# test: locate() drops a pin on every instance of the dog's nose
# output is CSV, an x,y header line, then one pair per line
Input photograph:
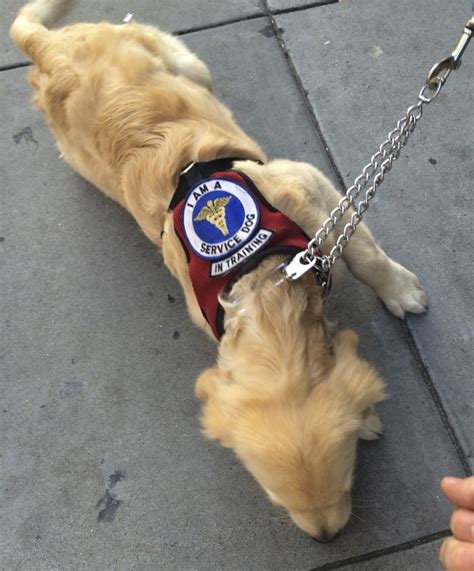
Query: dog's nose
x,y
325,536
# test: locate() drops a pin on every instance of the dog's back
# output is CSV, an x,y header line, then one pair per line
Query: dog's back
x,y
124,99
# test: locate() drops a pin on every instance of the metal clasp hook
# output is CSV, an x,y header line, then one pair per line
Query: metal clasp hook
x,y
301,263
440,71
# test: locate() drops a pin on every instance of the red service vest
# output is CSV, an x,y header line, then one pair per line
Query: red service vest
x,y
226,227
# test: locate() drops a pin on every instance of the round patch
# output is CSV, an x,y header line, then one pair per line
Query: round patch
x,y
219,217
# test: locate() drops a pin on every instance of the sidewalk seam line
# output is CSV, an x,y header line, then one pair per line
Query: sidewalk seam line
x,y
406,546
16,65
214,25
438,403
408,335
182,32
279,11
220,24
304,94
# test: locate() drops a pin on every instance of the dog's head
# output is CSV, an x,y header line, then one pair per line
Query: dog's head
x,y
296,438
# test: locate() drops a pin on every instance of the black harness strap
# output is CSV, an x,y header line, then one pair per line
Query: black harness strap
x,y
195,172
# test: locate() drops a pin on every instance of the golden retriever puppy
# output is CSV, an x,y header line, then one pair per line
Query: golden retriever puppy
x,y
130,108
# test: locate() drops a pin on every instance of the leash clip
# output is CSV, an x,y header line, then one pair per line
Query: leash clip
x,y
297,266
302,263
441,70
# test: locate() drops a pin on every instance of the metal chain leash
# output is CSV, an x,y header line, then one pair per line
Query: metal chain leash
x,y
373,174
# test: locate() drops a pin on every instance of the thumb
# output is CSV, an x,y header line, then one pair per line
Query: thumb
x,y
459,491
456,555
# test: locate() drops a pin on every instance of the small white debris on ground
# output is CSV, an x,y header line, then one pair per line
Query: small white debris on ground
x,y
375,51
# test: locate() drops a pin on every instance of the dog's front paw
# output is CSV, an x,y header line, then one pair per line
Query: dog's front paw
x,y
402,291
371,425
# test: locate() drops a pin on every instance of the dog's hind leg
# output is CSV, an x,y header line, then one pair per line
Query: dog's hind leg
x,y
170,51
185,63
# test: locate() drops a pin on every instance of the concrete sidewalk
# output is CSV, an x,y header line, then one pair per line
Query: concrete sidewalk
x,y
102,462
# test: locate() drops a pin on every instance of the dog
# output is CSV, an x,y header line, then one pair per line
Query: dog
x,y
131,108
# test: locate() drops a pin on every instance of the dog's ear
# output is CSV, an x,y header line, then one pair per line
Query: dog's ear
x,y
216,417
354,376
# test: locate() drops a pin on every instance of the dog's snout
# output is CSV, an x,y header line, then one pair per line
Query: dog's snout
x,y
325,536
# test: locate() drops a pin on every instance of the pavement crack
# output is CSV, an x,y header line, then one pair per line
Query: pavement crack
x,y
14,65
304,7
218,24
406,546
438,403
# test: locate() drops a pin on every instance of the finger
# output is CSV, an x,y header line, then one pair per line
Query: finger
x,y
462,525
456,555
460,491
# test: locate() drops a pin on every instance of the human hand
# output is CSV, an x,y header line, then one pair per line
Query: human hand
x,y
457,552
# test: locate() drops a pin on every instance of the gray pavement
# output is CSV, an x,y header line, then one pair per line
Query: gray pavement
x,y
103,465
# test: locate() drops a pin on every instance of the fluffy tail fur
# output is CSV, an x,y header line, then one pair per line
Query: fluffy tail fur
x,y
33,21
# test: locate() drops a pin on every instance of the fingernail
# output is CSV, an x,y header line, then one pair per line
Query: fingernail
x,y
462,525
451,480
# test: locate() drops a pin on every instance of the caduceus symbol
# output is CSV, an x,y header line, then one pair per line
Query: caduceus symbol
x,y
214,212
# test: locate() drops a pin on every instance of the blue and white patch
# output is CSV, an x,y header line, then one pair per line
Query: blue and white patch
x,y
219,218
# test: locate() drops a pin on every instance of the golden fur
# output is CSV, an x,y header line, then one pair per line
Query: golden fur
x,y
130,106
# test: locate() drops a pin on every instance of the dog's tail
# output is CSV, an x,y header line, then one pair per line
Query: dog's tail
x,y
32,22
